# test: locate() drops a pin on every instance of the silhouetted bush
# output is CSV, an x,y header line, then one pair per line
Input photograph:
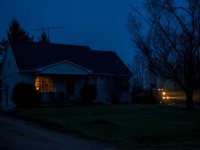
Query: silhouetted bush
x,y
88,94
25,95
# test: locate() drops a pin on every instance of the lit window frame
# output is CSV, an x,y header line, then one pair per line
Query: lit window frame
x,y
45,84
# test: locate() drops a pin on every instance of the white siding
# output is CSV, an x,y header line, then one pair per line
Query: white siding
x,y
10,76
28,78
60,84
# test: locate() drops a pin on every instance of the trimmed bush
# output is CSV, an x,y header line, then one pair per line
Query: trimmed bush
x,y
88,94
26,95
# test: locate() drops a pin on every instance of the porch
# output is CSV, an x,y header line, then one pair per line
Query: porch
x,y
58,98
65,89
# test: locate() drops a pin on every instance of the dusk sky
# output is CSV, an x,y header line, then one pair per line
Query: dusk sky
x,y
100,24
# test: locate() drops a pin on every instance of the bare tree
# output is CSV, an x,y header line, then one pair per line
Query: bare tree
x,y
170,41
138,73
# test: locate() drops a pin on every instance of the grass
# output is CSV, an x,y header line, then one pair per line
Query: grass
x,y
127,126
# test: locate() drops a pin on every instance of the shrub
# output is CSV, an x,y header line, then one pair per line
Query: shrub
x,y
25,95
88,94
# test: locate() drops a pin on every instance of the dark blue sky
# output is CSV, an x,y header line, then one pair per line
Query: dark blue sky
x,y
100,24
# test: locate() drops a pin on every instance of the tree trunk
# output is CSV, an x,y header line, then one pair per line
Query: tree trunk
x,y
189,99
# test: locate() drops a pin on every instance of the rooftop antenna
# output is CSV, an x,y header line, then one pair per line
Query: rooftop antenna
x,y
48,29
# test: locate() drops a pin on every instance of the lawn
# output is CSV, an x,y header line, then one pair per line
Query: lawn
x,y
127,126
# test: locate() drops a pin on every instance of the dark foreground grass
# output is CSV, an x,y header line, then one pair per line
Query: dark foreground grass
x,y
127,126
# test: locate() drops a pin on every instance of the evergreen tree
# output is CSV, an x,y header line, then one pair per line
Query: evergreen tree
x,y
44,38
17,33
3,44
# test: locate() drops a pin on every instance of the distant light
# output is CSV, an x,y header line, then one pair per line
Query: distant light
x,y
167,97
163,93
163,97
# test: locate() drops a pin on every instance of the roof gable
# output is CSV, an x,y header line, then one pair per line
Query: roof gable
x,y
35,55
64,67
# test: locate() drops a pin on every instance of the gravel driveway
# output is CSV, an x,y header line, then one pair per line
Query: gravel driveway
x,y
20,134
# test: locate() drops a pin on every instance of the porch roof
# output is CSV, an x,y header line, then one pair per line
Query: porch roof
x,y
34,55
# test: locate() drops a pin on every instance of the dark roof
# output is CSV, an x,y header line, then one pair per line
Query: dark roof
x,y
35,55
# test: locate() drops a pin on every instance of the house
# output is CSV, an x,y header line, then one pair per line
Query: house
x,y
58,69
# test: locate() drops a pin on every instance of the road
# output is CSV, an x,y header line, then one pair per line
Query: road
x,y
19,134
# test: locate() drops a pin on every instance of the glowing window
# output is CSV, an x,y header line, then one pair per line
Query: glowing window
x,y
45,84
